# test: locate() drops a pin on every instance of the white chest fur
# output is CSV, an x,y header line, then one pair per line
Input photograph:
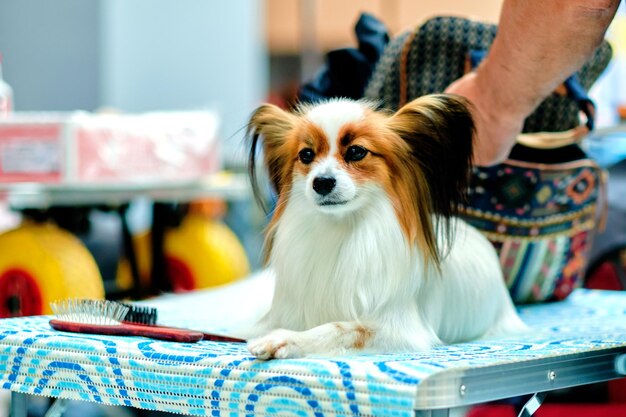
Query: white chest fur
x,y
344,267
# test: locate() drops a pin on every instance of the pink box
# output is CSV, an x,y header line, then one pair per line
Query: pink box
x,y
96,148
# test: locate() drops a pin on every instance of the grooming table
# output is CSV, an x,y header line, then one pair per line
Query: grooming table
x,y
578,341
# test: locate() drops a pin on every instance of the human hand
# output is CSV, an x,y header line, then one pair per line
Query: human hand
x,y
538,45
496,127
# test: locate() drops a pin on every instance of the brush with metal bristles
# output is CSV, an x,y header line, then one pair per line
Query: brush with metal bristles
x,y
90,311
116,318
113,318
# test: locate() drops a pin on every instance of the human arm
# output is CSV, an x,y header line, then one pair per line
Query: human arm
x,y
539,43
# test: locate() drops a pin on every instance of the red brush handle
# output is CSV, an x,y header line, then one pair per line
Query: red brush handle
x,y
125,329
205,336
219,338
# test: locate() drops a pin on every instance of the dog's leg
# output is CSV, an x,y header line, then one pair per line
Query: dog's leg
x,y
337,338
329,338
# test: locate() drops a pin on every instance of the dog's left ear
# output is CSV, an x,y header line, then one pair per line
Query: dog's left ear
x,y
439,131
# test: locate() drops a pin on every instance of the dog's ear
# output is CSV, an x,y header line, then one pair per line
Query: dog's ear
x,y
272,124
439,131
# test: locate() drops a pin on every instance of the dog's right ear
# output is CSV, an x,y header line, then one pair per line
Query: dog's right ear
x,y
272,124
439,131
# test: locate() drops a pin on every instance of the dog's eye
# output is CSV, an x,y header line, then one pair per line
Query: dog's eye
x,y
355,153
306,155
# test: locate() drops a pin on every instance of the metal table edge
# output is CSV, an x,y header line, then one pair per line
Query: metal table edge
x,y
468,386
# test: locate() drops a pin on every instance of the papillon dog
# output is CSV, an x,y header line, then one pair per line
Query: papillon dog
x,y
364,241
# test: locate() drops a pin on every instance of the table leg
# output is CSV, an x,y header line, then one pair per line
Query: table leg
x,y
532,405
164,215
137,292
620,364
445,412
19,404
57,408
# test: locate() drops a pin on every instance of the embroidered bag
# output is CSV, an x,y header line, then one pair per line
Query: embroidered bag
x,y
540,207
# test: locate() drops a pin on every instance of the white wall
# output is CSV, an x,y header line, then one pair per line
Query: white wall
x,y
167,54
610,89
137,55
50,51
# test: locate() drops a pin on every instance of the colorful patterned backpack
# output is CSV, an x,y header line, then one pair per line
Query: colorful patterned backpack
x,y
540,208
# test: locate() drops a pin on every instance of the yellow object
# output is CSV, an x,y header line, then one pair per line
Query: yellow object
x,y
617,36
200,253
40,263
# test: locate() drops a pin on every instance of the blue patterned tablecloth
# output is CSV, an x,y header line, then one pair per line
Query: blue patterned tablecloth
x,y
222,379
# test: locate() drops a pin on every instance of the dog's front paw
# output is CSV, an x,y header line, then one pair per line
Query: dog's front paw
x,y
279,344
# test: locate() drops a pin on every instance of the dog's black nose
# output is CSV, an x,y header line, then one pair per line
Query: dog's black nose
x,y
324,185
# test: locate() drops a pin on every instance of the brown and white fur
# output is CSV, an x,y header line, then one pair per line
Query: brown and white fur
x,y
363,242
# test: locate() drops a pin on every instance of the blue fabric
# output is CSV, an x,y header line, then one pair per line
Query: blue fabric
x,y
577,92
222,379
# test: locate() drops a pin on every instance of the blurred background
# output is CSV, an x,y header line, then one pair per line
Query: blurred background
x,y
225,57
149,55
116,56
